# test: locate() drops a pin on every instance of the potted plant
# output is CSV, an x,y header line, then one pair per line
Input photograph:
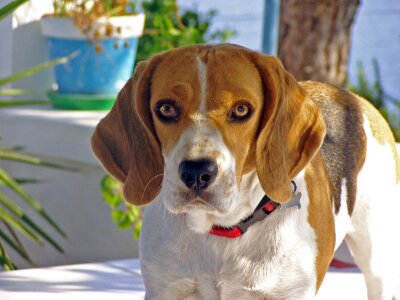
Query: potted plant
x,y
103,34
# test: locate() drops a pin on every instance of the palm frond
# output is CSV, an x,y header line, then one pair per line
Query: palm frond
x,y
12,103
35,69
14,245
16,223
13,92
5,261
18,212
9,8
13,185
17,156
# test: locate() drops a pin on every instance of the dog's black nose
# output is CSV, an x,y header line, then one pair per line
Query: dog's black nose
x,y
198,174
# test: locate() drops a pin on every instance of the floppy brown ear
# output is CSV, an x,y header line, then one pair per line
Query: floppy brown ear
x,y
291,131
125,142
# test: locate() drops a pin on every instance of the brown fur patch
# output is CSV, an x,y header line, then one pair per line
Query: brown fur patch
x,y
381,131
344,148
320,215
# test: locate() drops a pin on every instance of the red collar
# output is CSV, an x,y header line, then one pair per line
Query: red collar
x,y
265,207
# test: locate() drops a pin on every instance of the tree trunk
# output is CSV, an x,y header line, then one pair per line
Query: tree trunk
x,y
314,38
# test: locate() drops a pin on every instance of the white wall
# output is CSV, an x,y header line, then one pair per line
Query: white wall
x,y
6,41
73,199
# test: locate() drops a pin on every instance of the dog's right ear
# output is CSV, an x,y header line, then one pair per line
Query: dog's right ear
x,y
125,141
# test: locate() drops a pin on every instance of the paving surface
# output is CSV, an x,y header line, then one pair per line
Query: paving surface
x,y
121,279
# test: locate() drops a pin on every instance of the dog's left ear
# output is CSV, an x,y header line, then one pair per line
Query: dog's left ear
x,y
291,130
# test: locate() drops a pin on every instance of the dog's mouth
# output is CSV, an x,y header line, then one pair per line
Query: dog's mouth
x,y
198,200
199,203
202,200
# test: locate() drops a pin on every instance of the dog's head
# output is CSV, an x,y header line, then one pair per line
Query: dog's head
x,y
192,122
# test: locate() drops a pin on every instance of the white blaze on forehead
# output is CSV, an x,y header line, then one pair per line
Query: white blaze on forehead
x,y
202,74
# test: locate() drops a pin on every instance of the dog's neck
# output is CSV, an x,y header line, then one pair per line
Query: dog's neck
x,y
250,194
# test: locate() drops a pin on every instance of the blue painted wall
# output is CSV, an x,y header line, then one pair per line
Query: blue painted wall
x,y
376,33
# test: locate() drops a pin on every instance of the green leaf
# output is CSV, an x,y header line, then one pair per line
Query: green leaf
x,y
174,31
16,210
14,246
11,103
13,148
111,191
32,160
125,222
12,184
28,180
13,92
134,211
5,261
110,198
136,230
9,8
110,183
18,225
35,69
108,4
117,215
15,156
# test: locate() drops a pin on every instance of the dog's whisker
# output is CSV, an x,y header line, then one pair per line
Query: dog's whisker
x,y
150,181
157,191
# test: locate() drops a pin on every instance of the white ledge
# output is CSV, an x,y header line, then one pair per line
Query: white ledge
x,y
122,280
49,132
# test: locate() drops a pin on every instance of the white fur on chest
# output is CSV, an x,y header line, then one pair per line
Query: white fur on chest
x,y
275,258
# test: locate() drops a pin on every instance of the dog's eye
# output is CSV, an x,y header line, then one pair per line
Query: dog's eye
x,y
240,112
167,111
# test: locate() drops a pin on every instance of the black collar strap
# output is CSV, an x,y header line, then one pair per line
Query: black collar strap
x,y
263,209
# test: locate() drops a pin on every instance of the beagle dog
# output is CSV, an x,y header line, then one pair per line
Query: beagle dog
x,y
252,179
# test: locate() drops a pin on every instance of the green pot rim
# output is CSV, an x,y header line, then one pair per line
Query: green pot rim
x,y
81,101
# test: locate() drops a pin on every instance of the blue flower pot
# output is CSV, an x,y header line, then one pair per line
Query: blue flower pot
x,y
91,72
99,67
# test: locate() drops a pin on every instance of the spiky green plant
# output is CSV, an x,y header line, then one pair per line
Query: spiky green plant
x,y
9,8
14,219
374,93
